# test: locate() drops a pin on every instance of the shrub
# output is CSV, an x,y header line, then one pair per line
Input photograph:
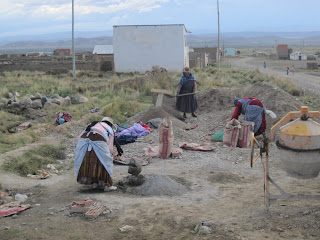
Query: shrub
x,y
121,110
35,159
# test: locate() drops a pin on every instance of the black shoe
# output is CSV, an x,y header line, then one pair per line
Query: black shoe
x,y
193,115
184,115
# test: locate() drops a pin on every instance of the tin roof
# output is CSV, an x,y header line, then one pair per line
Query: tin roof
x,y
282,47
116,26
103,49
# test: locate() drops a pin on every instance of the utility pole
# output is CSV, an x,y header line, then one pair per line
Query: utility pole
x,y
275,48
73,54
218,50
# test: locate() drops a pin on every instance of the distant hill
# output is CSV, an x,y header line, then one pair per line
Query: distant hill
x,y
81,44
85,41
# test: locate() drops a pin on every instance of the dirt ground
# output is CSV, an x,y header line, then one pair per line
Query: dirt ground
x,y
305,79
221,187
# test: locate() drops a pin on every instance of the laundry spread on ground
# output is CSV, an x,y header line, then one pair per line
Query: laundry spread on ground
x,y
11,208
196,146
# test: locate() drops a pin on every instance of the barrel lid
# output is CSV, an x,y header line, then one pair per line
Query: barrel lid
x,y
300,127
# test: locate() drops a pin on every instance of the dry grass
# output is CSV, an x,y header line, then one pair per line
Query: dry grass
x,y
35,159
129,93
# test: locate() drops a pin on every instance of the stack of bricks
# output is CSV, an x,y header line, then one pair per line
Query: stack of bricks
x,y
88,207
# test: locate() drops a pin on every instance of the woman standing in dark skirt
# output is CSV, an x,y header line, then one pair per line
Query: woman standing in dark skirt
x,y
187,85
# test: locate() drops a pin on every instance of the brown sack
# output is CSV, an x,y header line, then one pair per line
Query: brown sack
x,y
165,138
231,133
245,134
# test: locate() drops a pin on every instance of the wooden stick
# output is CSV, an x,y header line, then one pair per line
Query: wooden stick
x,y
186,94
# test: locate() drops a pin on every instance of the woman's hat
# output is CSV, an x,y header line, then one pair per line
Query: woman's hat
x,y
186,70
107,119
236,101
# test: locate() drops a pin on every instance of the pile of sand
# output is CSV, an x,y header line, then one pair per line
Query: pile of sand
x,y
156,112
159,185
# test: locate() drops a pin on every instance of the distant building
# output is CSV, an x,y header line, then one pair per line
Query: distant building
x,y
283,52
33,54
62,52
230,52
103,53
140,47
198,59
103,49
260,54
210,51
298,56
44,54
85,55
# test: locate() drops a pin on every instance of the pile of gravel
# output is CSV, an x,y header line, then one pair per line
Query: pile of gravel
x,y
159,185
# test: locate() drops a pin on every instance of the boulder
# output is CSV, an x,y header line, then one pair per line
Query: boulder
x,y
56,96
23,126
14,105
37,96
50,105
73,100
94,99
134,167
15,99
17,94
10,95
83,99
37,104
25,103
4,101
67,101
56,101
44,100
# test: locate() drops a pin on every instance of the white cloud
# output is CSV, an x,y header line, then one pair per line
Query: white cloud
x,y
59,8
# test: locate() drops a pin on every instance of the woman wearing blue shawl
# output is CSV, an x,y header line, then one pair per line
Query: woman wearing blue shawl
x,y
94,153
253,111
187,85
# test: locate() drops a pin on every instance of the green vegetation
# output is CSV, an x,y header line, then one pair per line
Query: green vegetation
x,y
35,159
120,110
9,141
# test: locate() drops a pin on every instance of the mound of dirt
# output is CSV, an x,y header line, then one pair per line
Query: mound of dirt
x,y
159,185
215,99
225,177
274,98
217,104
156,112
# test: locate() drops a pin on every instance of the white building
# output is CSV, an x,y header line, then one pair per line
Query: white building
x,y
298,56
103,49
139,47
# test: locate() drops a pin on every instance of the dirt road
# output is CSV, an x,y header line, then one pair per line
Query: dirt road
x,y
308,81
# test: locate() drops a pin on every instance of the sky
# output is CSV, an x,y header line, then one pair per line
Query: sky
x,y
36,17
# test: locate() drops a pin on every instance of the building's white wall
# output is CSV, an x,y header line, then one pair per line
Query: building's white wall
x,y
139,47
295,56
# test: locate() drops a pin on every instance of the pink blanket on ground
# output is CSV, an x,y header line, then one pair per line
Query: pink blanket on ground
x,y
12,208
196,146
